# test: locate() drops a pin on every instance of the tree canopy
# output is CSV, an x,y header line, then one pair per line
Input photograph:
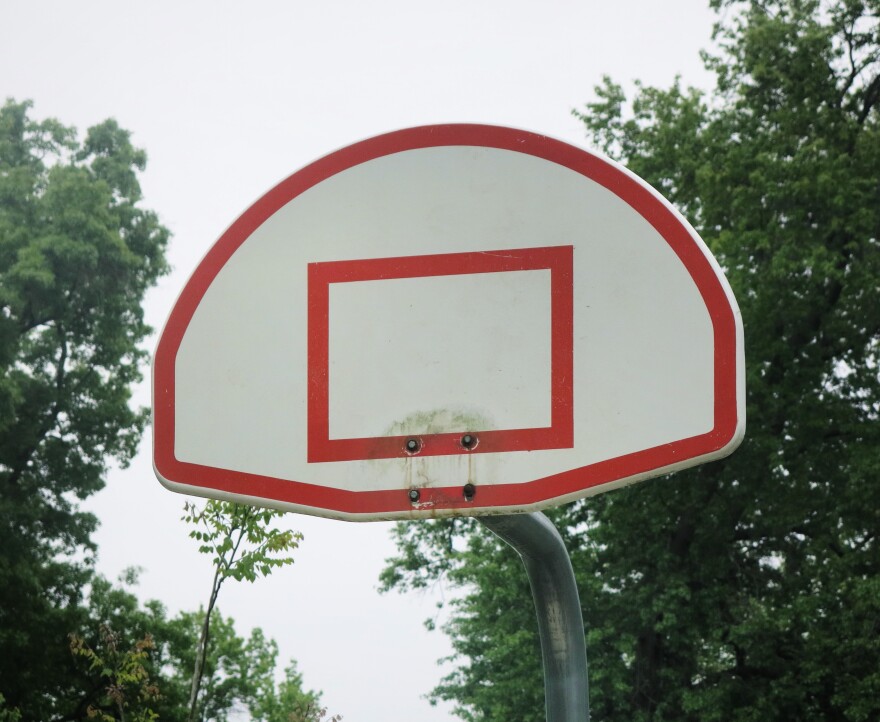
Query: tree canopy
x,y
134,661
77,254
746,589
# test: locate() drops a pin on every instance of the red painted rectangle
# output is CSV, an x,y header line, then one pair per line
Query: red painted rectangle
x,y
560,434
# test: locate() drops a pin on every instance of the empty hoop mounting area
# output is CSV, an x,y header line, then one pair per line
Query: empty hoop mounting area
x,y
465,440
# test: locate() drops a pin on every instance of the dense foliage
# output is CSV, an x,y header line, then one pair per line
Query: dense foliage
x,y
77,254
747,589
243,545
133,661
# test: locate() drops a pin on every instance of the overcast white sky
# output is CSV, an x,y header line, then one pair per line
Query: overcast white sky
x,y
228,98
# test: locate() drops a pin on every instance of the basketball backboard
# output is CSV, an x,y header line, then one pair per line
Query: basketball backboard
x,y
447,320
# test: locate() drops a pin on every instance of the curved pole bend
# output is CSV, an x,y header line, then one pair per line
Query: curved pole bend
x,y
560,624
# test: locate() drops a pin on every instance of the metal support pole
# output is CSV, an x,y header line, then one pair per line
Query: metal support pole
x,y
560,624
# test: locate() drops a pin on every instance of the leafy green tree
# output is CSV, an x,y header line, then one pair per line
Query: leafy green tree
x,y
747,589
243,546
491,621
135,654
126,691
114,609
238,672
77,254
290,701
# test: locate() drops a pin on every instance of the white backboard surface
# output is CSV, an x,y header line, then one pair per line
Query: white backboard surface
x,y
447,320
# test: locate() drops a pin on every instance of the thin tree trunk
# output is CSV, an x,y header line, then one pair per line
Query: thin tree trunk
x,y
202,651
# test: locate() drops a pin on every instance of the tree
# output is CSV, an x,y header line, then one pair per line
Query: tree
x,y
134,660
77,254
747,589
243,545
238,673
119,634
124,690
290,702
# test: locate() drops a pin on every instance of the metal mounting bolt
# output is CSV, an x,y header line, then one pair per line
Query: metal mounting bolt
x,y
468,441
469,491
414,495
413,446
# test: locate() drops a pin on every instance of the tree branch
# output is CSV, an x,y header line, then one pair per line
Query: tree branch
x,y
872,95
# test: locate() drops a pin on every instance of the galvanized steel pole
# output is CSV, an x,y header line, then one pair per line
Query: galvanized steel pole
x,y
558,607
